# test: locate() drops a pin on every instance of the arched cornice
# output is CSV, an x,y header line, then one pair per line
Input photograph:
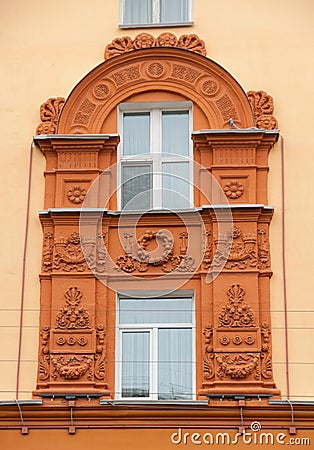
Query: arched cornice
x,y
175,70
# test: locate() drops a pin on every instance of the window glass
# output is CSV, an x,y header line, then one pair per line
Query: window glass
x,y
136,133
175,368
174,10
149,12
155,156
168,310
175,132
155,360
176,185
137,11
135,364
136,187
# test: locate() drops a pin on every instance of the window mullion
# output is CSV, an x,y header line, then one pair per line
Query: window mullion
x,y
156,153
154,364
156,11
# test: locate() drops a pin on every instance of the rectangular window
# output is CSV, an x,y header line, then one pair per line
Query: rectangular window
x,y
155,156
155,356
154,12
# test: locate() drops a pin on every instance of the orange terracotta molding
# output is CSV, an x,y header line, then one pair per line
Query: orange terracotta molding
x,y
145,40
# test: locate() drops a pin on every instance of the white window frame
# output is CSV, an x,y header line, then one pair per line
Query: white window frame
x,y
155,156
153,330
155,17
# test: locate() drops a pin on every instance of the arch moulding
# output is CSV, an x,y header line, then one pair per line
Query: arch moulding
x,y
165,69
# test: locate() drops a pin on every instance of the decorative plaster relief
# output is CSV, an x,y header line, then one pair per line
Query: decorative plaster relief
x,y
145,40
70,254
236,313
49,115
242,253
47,252
73,350
237,367
73,315
233,189
209,367
76,194
263,109
142,260
263,248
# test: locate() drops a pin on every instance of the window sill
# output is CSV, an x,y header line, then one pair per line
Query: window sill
x,y
157,25
154,402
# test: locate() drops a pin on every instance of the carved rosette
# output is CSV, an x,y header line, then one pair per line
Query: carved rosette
x,y
76,194
263,109
73,350
49,115
140,259
145,40
236,250
233,189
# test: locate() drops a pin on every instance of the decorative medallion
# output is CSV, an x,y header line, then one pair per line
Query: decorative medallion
x,y
145,40
233,189
101,91
155,70
209,87
76,194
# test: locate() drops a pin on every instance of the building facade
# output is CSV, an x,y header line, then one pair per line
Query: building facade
x,y
155,299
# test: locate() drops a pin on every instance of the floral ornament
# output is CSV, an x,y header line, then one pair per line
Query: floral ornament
x,y
75,238
61,340
125,44
237,340
234,232
144,40
263,109
233,189
49,115
224,340
267,122
76,194
167,40
249,340
71,340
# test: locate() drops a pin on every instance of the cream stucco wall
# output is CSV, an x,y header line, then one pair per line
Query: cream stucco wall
x,y
48,46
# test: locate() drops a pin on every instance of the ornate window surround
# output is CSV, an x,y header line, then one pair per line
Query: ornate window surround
x,y
79,358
